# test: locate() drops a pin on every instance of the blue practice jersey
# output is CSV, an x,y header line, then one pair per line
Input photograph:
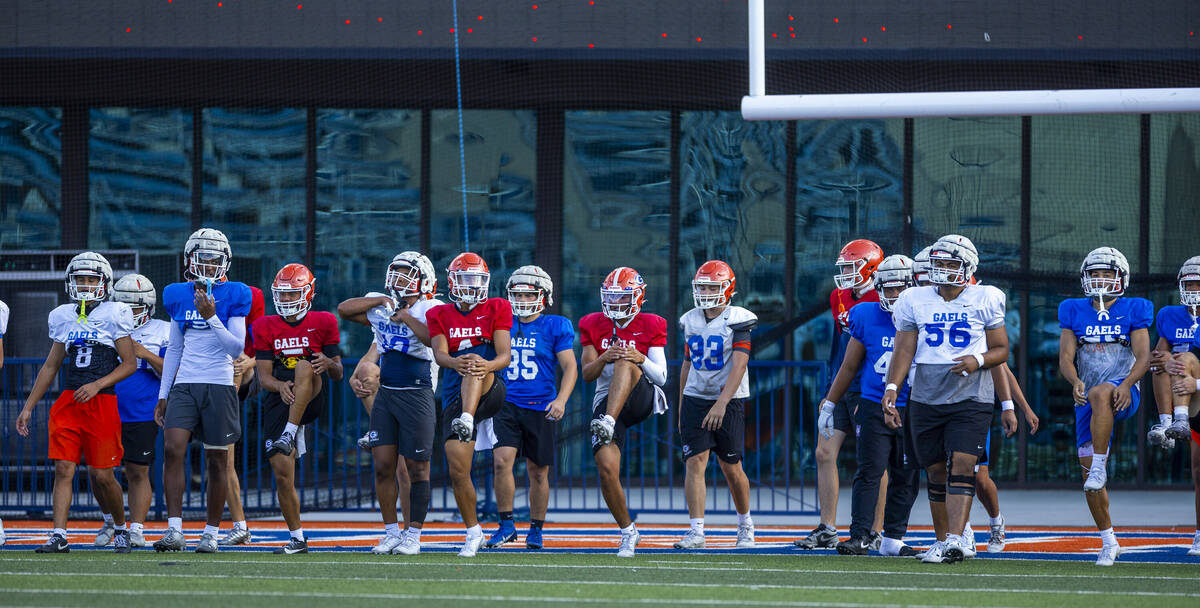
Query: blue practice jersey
x,y
1104,353
232,299
137,395
530,380
873,326
1177,326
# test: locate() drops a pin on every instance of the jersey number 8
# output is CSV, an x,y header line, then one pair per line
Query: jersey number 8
x,y
83,356
711,360
959,333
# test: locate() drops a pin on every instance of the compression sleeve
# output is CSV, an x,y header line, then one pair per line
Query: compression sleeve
x,y
655,365
171,361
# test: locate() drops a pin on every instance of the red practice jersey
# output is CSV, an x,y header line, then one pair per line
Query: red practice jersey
x,y
840,303
258,308
467,330
643,332
286,344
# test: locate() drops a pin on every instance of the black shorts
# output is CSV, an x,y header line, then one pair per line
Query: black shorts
x,y
275,414
527,430
729,441
638,407
938,430
843,413
489,405
405,419
249,389
209,411
138,439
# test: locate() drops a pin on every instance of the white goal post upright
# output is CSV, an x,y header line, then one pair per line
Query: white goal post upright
x,y
760,106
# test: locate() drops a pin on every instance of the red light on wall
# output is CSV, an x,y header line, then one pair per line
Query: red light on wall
x,y
835,20
535,7
864,38
664,34
299,6
535,39
470,30
1079,37
591,46
791,29
791,18
420,32
128,29
347,22
793,35
948,26
882,28
381,19
220,4
699,39
479,18
774,35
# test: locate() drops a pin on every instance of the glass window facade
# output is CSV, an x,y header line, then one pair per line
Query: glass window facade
x,y
1174,188
30,156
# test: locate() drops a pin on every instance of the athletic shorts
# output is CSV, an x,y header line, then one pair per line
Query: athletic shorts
x,y
406,419
843,413
529,431
1196,428
987,451
91,430
209,411
1083,415
939,430
729,441
139,438
275,415
489,405
638,407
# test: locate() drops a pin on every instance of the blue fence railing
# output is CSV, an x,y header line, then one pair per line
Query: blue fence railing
x,y
337,475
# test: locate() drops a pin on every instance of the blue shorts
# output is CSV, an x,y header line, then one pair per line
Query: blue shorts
x,y
1083,414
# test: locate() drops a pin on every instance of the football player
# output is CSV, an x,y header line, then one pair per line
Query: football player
x,y
364,383
882,446
1103,352
856,264
3,329
953,331
403,416
1184,369
712,386
528,421
1176,326
91,344
471,342
248,388
137,396
624,354
197,396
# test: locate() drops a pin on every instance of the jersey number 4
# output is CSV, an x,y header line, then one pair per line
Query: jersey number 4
x,y
959,334
710,358
523,365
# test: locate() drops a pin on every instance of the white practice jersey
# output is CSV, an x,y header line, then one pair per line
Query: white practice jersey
x,y
154,336
391,336
710,347
90,341
3,318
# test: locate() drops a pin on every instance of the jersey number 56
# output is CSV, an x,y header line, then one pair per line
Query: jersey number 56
x,y
959,334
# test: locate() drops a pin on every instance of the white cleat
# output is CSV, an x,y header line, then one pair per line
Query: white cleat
x,y
1158,436
1096,479
463,427
387,545
934,554
996,541
364,442
409,546
137,539
629,542
691,540
471,546
1108,554
3,538
105,534
602,429
1195,550
745,539
968,542
1180,429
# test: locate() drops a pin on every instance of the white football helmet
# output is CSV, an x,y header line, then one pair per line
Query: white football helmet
x,y
893,271
410,274
1104,258
1190,271
89,264
207,254
953,248
921,267
138,292
530,279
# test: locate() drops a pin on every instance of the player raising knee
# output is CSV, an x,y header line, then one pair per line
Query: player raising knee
x,y
1103,352
91,344
713,384
882,445
1176,326
856,266
623,353
952,331
528,421
294,349
403,416
471,342
1184,369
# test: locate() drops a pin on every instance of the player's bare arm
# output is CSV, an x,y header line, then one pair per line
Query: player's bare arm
x,y
997,353
441,354
1008,418
902,357
1139,340
128,365
855,352
272,384
328,365
593,363
46,375
419,329
355,309
566,384
1066,366
364,381
151,359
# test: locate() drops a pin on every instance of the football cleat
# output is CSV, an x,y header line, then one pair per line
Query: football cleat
x,y
121,541
105,534
533,538
629,542
409,545
822,537
1180,429
137,539
876,540
907,551
1096,479
934,554
207,544
855,545
968,544
471,545
3,538
956,549
56,544
173,540
294,546
364,442
745,536
1195,550
1158,436
462,428
387,545
285,445
692,540
1108,554
506,534
236,536
602,429
996,540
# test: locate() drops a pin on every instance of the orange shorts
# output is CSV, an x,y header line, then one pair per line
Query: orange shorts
x,y
91,430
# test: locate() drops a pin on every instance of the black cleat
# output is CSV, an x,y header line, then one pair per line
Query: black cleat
x,y
56,544
822,537
855,545
284,445
294,546
120,541
907,551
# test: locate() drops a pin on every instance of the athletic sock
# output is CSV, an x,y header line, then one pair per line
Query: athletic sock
x,y
392,529
298,533
997,520
414,533
890,546
744,519
239,525
214,530
1100,460
630,529
475,530
697,524
136,527
506,516
1108,537
175,523
290,429
536,524
124,526
1164,419
59,531
1181,412
108,518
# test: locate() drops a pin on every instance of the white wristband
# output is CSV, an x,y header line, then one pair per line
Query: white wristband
x,y
1007,406
891,386
825,402
1198,384
979,358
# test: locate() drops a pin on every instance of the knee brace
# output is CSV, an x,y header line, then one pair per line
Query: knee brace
x,y
937,493
962,485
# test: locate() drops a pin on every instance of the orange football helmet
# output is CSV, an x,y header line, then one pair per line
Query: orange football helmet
x,y
856,264
713,272
467,277
293,279
622,294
